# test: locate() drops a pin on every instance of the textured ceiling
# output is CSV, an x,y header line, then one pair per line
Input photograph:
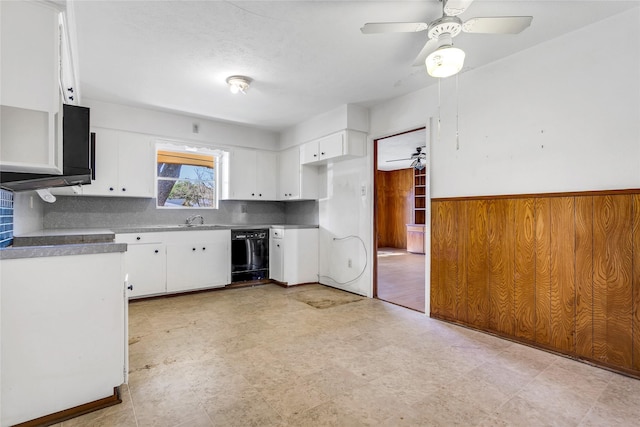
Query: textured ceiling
x,y
305,57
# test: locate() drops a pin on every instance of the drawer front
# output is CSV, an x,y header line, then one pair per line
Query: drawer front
x,y
133,238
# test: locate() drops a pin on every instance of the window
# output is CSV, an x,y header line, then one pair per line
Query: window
x,y
186,177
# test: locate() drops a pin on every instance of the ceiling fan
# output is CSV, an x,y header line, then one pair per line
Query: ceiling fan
x,y
418,158
441,58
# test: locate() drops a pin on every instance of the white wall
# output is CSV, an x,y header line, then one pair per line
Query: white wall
x,y
560,116
345,249
28,212
179,127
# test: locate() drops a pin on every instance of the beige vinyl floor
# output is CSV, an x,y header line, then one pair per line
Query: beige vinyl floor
x,y
316,356
401,278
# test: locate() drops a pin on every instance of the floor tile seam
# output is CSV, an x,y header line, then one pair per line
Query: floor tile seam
x,y
133,406
564,388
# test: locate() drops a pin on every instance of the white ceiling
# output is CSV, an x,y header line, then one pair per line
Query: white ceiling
x,y
306,57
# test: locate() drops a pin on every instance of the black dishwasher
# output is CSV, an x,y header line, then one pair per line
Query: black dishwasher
x,y
249,255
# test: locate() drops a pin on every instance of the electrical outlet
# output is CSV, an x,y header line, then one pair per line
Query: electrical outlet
x,y
350,263
243,208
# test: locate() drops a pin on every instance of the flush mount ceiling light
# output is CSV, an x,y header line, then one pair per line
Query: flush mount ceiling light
x,y
238,84
446,60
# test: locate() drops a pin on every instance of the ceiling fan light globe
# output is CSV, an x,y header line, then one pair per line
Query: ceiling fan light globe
x,y
445,61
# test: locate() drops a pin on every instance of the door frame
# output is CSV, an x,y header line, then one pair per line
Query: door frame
x,y
427,213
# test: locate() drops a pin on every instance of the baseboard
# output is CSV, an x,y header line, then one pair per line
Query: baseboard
x,y
74,412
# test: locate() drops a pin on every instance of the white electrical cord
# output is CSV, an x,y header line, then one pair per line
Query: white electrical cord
x,y
364,268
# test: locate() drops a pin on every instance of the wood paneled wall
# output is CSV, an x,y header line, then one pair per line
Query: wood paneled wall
x,y
394,195
561,272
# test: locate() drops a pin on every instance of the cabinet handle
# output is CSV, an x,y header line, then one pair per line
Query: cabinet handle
x,y
322,153
260,194
138,238
156,251
315,155
130,287
110,188
124,189
193,249
204,249
278,245
253,194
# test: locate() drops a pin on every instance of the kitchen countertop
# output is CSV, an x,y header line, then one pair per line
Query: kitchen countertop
x,y
183,227
79,241
61,250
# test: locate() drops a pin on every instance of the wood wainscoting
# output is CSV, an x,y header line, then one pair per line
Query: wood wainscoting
x,y
557,271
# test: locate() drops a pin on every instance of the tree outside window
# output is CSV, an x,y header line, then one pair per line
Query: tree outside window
x,y
186,178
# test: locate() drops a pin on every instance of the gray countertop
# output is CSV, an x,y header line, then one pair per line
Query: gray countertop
x,y
61,250
182,227
61,242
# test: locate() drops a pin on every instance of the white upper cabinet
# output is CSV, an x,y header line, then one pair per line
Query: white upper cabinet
x,y
30,105
124,165
296,181
251,175
337,146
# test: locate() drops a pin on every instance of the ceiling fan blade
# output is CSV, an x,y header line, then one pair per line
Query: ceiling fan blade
x,y
497,24
393,27
431,45
400,160
456,7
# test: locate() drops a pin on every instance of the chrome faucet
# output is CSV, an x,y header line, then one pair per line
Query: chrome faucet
x,y
192,218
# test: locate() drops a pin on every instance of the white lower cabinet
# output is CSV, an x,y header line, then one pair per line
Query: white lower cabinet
x,y
293,255
145,264
176,261
63,333
201,263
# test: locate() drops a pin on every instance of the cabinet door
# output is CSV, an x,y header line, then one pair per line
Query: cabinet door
x,y
184,268
309,152
29,91
276,259
301,256
201,264
135,165
266,175
124,165
106,153
289,174
218,257
146,266
242,174
331,146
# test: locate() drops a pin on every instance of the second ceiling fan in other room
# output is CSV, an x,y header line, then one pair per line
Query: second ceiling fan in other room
x,y
419,159
438,54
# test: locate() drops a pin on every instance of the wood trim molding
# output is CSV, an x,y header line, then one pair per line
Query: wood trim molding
x,y
74,412
537,195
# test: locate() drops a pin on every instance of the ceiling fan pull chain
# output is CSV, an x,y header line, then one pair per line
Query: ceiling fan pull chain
x,y
457,115
439,103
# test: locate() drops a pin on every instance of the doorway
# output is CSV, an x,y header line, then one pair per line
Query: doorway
x,y
400,184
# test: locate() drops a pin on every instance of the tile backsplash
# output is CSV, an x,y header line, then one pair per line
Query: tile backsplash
x,y
6,218
113,212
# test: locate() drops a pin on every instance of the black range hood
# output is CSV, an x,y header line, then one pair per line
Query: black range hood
x,y
77,156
